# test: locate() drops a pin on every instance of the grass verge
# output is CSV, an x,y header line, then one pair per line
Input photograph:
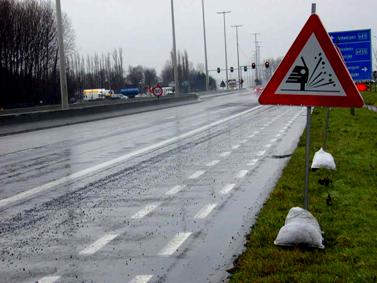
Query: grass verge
x,y
370,97
348,218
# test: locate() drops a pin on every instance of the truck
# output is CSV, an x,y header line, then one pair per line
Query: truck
x,y
130,91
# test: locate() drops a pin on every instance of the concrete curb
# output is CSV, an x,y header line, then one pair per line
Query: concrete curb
x,y
26,122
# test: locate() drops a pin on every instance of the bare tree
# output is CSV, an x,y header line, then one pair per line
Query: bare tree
x,y
29,52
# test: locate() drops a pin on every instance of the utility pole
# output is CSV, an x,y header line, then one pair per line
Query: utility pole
x,y
175,67
205,47
63,75
238,56
226,52
256,57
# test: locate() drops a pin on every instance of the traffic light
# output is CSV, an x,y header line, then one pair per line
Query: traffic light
x,y
253,66
245,68
267,64
218,70
231,69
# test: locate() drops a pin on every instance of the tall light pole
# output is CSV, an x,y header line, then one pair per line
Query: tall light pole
x,y
63,76
256,58
175,67
226,52
205,47
238,55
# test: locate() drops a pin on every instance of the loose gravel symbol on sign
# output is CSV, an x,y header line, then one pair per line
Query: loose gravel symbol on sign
x,y
311,73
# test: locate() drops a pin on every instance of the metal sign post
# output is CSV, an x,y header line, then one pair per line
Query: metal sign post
x,y
311,74
307,149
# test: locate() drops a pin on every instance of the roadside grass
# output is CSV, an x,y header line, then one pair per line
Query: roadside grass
x,y
370,97
349,219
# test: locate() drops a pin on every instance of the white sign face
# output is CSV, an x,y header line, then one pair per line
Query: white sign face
x,y
311,74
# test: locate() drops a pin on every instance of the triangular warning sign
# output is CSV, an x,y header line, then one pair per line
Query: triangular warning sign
x,y
312,73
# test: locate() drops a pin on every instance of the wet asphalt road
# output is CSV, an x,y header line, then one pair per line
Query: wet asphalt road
x,y
160,196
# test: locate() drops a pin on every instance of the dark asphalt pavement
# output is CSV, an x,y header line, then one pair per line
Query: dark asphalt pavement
x,y
161,196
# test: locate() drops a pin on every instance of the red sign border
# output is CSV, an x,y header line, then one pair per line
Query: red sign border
x,y
352,98
158,87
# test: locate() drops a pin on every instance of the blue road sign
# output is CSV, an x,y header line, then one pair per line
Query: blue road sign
x,y
356,49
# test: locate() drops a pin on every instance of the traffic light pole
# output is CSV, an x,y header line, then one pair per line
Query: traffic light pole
x,y
256,57
226,52
205,47
238,56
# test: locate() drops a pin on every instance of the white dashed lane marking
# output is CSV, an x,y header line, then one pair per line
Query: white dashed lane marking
x,y
49,279
212,163
99,244
267,145
236,146
174,190
205,211
174,244
227,189
242,174
261,153
197,174
225,154
253,162
145,211
141,278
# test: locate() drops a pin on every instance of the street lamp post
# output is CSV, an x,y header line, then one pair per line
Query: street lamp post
x,y
226,54
63,76
205,47
238,55
175,67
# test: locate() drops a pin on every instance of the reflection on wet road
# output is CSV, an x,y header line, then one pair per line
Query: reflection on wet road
x,y
161,196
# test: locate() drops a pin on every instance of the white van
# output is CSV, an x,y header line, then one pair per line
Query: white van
x,y
95,94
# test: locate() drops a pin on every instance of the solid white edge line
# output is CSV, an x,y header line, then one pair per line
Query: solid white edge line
x,y
141,278
174,244
145,211
242,174
48,279
47,186
99,244
227,189
197,174
174,190
212,163
205,211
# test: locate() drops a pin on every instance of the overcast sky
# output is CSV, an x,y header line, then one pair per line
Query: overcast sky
x,y
143,27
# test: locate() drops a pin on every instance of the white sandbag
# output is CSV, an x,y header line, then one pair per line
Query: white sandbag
x,y
301,228
323,159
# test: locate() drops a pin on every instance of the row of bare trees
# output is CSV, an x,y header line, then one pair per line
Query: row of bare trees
x,y
29,60
29,52
191,78
97,71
